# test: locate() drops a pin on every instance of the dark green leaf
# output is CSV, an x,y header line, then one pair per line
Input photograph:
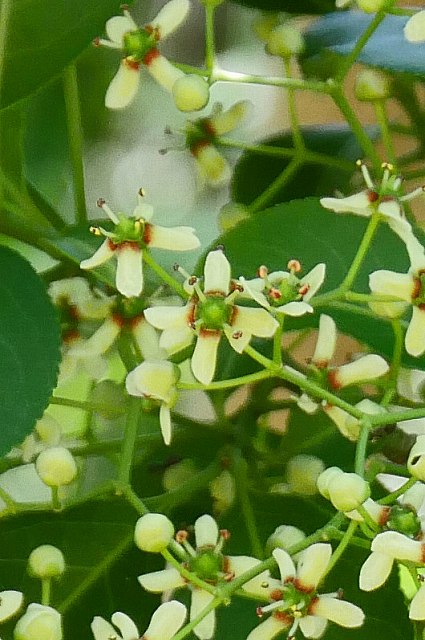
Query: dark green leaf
x,y
29,348
11,147
255,172
44,37
337,33
302,229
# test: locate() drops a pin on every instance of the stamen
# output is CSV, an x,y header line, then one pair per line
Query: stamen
x,y
388,168
292,630
101,203
304,289
275,293
366,174
101,42
142,192
271,607
262,272
181,537
414,194
294,266
95,231
397,183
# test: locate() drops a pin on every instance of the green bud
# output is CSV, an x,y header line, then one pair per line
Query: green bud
x,y
153,532
285,41
284,537
347,491
405,520
191,93
372,6
56,466
207,565
302,472
372,85
325,478
46,561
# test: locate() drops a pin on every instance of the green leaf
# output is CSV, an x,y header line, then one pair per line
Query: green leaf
x,y
43,38
337,33
11,137
289,6
302,229
255,172
29,348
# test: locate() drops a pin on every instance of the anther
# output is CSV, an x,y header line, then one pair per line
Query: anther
x,y
95,231
225,534
142,192
237,335
100,202
387,165
304,289
124,7
340,594
275,293
294,266
192,280
262,271
259,612
176,266
181,536
167,130
220,247
162,152
96,42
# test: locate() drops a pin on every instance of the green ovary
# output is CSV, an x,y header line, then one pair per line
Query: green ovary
x,y
288,289
207,565
214,313
138,43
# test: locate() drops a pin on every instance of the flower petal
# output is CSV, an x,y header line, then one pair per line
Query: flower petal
x,y
129,276
295,309
257,322
172,238
99,342
126,626
417,606
169,317
159,581
314,279
200,599
118,26
170,17
326,342
285,564
399,546
212,166
390,283
204,357
227,120
164,72
174,340
165,423
206,532
365,368
147,340
166,621
102,630
155,379
358,203
104,253
414,29
313,563
256,586
10,602
415,334
341,612
313,626
123,86
217,273
375,571
253,289
268,629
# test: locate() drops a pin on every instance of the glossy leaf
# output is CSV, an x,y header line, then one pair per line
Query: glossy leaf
x,y
337,33
255,172
43,38
29,348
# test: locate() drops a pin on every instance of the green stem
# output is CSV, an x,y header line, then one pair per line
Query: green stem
x,y
392,497
297,136
258,357
75,140
361,447
368,520
187,629
56,504
164,275
277,341
240,471
361,252
382,118
186,574
209,38
273,189
344,542
131,428
348,62
221,75
395,364
380,420
46,584
225,384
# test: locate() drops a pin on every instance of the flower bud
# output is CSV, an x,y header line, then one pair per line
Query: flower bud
x,y
223,491
414,29
56,466
46,561
284,537
302,472
285,41
191,93
372,6
416,460
39,622
372,85
231,215
153,532
325,478
347,491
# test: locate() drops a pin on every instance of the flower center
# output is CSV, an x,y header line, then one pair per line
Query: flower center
x,y
214,312
137,44
207,564
418,297
403,518
284,291
129,230
199,133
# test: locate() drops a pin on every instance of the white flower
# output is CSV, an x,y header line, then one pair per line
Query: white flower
x,y
387,547
10,603
130,238
283,291
410,288
39,621
164,624
208,314
156,380
414,29
208,563
296,603
385,199
202,136
140,47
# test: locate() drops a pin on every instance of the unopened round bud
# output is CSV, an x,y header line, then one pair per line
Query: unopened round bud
x,y
153,532
372,6
231,215
285,41
414,29
347,491
191,93
302,472
39,622
56,466
325,478
372,85
416,460
46,561
284,537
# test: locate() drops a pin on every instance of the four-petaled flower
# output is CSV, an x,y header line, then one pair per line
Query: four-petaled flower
x,y
131,236
295,601
140,47
410,288
202,136
208,314
283,291
209,564
164,624
156,380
